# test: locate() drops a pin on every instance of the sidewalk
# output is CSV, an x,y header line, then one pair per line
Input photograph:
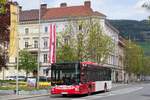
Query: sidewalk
x,y
18,97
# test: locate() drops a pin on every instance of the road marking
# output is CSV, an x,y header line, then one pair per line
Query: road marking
x,y
78,99
112,93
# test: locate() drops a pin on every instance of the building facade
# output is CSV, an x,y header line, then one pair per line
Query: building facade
x,y
29,33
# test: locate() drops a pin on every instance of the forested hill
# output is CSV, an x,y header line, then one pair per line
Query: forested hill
x,y
132,28
138,31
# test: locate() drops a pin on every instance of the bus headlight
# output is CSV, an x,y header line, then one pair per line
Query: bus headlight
x,y
52,89
77,89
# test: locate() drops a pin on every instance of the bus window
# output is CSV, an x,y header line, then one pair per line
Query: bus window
x,y
65,74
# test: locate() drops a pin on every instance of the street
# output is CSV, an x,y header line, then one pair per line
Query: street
x,y
126,92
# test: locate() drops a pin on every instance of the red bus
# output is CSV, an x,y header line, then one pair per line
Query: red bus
x,y
79,78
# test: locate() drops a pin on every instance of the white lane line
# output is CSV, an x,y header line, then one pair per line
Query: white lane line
x,y
112,93
78,99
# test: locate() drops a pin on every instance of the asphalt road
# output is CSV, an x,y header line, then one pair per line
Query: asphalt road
x,y
129,92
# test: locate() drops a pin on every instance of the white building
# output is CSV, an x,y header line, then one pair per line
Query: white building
x,y
29,31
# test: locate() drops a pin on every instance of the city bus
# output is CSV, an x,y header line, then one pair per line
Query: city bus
x,y
79,78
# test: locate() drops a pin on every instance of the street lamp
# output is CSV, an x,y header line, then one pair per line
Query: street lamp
x,y
38,67
17,92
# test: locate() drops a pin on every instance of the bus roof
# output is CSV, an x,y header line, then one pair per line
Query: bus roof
x,y
89,62
84,62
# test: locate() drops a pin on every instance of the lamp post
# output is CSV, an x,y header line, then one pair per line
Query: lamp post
x,y
17,92
38,67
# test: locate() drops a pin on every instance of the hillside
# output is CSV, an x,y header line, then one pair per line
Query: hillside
x,y
138,31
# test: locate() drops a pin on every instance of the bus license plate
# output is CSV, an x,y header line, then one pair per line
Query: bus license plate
x,y
64,92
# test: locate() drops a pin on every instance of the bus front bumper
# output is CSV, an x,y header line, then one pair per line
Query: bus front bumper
x,y
65,92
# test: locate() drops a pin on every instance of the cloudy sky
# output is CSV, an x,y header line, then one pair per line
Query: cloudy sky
x,y
114,9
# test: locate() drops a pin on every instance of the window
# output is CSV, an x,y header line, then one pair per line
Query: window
x,y
45,58
66,40
45,43
46,29
35,44
26,31
44,71
15,59
35,56
65,74
80,27
26,44
113,60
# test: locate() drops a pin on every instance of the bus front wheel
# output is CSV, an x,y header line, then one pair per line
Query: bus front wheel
x,y
64,95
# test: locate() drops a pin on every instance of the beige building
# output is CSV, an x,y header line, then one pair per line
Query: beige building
x,y
60,16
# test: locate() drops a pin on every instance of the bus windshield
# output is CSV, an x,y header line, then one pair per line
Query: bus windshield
x,y
65,74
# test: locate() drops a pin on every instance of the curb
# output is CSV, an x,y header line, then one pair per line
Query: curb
x,y
34,96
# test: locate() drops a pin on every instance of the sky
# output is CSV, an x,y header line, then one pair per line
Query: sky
x,y
113,9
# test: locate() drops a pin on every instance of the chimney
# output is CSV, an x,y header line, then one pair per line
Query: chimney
x,y
20,8
43,9
63,5
43,6
87,4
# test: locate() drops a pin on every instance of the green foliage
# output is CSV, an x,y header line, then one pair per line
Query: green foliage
x,y
146,47
27,62
146,67
2,59
4,33
99,45
137,30
65,46
89,43
3,6
131,28
134,58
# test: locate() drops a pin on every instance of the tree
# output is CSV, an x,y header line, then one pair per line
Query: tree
x,y
65,46
3,6
146,67
2,59
99,45
133,58
27,62
88,42
145,4
4,31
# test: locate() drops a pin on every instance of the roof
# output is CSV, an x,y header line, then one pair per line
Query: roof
x,y
29,15
111,26
59,12
74,11
89,63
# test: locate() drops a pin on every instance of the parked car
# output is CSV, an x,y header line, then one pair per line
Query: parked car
x,y
41,78
11,78
20,78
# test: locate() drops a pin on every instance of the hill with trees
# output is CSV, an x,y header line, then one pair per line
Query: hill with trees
x,y
138,31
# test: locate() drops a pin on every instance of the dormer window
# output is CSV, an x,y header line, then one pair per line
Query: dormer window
x,y
46,29
80,27
26,31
